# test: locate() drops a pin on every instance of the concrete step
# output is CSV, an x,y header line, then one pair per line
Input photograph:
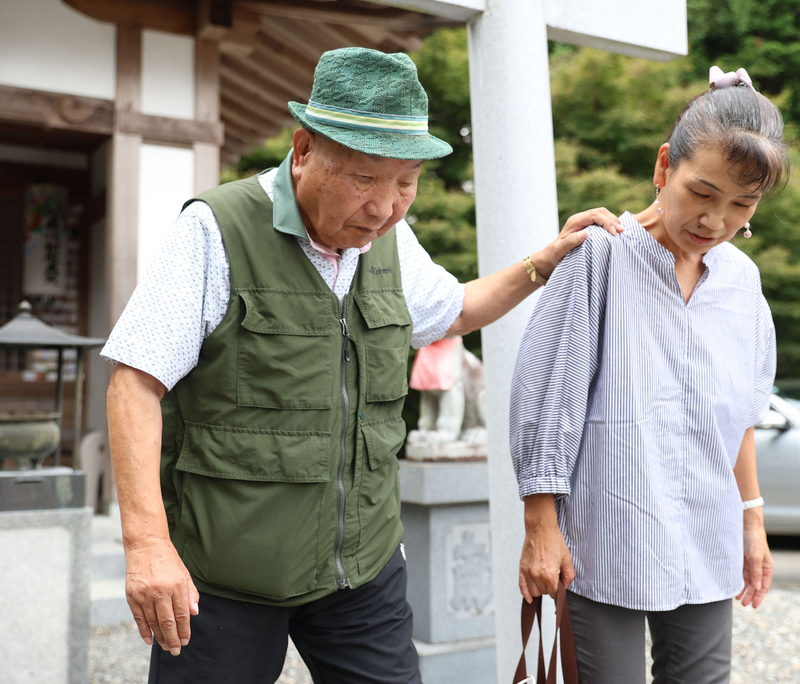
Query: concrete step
x,y
109,606
108,560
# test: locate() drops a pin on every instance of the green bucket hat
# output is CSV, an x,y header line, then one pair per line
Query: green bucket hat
x,y
370,102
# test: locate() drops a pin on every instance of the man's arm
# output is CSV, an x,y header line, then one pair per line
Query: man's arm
x,y
158,586
487,299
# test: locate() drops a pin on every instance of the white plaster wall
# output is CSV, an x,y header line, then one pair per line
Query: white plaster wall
x,y
48,46
167,75
166,181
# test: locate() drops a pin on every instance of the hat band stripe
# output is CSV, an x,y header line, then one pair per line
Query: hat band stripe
x,y
346,118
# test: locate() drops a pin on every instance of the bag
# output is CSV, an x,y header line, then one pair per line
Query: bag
x,y
569,663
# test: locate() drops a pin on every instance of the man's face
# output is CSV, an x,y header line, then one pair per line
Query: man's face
x,y
348,198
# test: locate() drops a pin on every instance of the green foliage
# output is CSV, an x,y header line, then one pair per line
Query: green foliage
x,y
270,154
759,35
443,67
444,221
610,115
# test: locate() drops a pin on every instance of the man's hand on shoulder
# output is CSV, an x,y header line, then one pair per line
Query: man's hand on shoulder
x,y
160,593
573,234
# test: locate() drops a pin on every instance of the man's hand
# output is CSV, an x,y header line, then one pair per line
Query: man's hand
x,y
160,593
758,565
545,559
572,235
487,299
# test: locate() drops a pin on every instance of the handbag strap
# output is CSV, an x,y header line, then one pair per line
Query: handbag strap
x,y
529,612
569,662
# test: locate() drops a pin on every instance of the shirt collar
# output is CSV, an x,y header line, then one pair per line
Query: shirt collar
x,y
638,232
285,212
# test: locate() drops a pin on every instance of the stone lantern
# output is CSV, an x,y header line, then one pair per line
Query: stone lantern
x,y
45,526
29,438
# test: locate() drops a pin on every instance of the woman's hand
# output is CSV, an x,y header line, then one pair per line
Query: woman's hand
x,y
757,569
545,557
571,235
757,559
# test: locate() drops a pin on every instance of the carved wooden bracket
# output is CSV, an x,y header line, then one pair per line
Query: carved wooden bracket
x,y
56,110
94,115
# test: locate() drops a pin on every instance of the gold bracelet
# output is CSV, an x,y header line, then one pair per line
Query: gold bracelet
x,y
532,272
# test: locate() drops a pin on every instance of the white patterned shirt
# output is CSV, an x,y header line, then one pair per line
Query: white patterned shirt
x,y
184,293
631,405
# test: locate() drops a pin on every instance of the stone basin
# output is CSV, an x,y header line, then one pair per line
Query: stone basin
x,y
28,439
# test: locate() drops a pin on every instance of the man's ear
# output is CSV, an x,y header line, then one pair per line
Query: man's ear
x,y
303,144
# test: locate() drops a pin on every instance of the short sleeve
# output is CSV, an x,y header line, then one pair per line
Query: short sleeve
x,y
434,297
764,375
179,301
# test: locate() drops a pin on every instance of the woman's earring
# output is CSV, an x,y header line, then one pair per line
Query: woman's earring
x,y
747,232
659,210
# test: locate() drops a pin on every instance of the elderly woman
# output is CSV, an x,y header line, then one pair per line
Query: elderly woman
x,y
646,363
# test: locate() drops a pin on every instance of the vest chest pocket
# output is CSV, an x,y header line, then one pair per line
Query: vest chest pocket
x,y
386,343
285,357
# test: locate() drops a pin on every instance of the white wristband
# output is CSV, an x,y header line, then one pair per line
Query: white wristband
x,y
753,503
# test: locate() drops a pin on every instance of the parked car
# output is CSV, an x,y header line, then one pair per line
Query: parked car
x,y
778,461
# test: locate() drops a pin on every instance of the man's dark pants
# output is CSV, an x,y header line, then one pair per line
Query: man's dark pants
x,y
353,636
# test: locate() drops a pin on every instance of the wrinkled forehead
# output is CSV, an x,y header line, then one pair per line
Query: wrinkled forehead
x,y
349,159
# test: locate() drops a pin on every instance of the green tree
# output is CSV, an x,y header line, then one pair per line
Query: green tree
x,y
759,35
611,113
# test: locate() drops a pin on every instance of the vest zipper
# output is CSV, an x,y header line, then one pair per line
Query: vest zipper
x,y
341,576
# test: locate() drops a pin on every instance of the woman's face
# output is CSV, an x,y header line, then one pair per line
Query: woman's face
x,y
703,204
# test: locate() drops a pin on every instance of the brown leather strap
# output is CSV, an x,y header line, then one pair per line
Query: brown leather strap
x,y
569,663
569,657
529,612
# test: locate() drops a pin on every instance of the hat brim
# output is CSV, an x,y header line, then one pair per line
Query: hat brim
x,y
389,145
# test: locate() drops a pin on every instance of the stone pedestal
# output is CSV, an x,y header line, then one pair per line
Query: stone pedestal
x,y
44,566
445,511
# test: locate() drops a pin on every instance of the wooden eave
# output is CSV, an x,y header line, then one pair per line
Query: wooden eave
x,y
269,48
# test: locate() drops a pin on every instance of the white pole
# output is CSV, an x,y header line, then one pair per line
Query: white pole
x,y
517,213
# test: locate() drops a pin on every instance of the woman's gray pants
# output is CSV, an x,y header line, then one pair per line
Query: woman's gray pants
x,y
691,644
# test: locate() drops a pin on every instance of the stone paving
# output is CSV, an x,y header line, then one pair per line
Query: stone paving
x,y
766,642
117,655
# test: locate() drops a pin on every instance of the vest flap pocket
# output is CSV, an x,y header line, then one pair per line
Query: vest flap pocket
x,y
255,455
383,307
287,312
386,373
383,439
285,356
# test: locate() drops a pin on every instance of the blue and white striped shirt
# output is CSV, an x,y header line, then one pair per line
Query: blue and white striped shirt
x,y
632,405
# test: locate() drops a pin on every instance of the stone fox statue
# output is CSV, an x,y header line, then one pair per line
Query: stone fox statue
x,y
450,379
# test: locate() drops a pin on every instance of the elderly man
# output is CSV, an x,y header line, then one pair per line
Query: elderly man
x,y
254,413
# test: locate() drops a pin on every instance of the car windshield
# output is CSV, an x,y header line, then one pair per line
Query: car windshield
x,y
790,391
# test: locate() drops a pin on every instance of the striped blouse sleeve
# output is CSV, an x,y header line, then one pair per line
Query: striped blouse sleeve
x,y
557,360
764,375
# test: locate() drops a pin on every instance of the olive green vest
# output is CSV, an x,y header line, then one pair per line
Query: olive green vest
x,y
278,465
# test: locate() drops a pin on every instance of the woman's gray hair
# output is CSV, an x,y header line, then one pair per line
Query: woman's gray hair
x,y
748,128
